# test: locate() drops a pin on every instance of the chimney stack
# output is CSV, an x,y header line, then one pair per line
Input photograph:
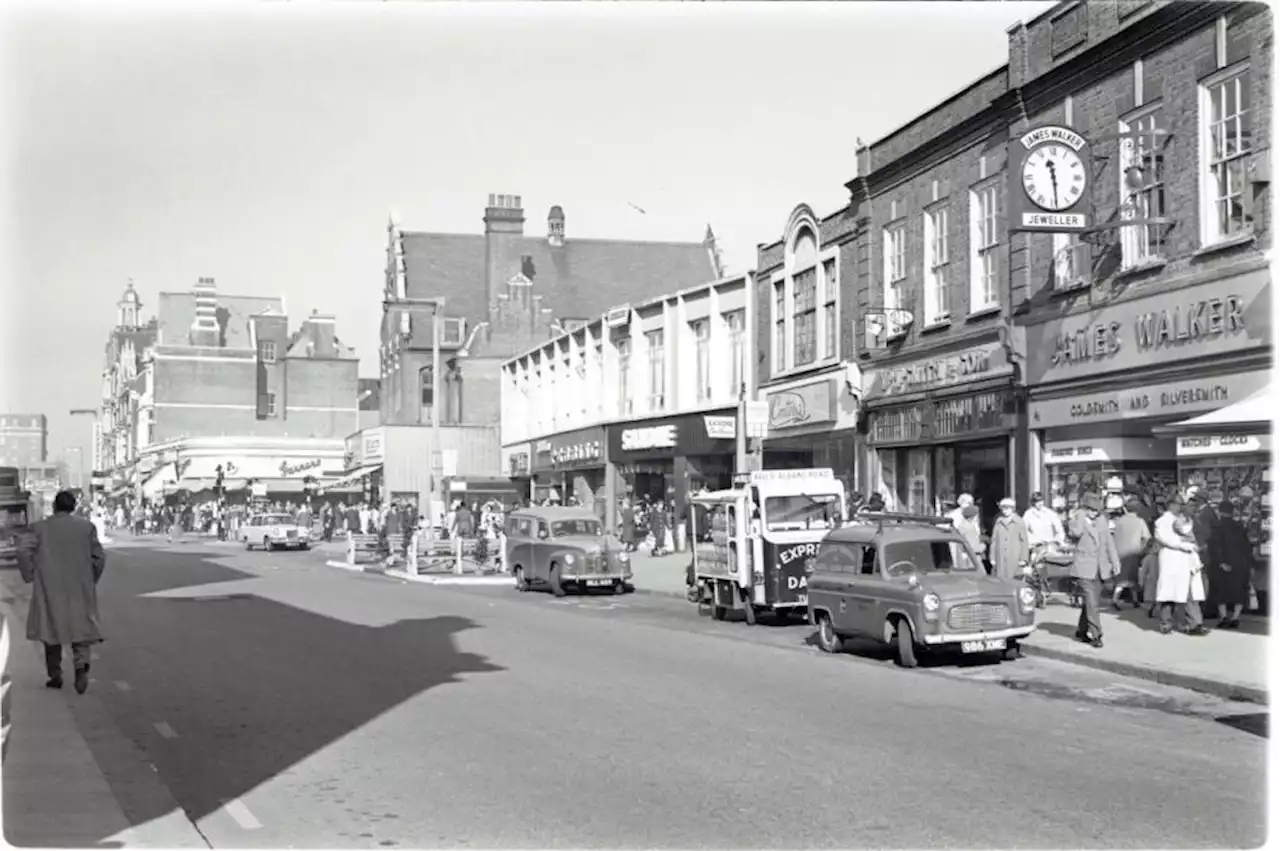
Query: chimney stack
x,y
555,226
205,330
504,215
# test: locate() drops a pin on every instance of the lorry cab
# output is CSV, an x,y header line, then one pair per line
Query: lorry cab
x,y
754,544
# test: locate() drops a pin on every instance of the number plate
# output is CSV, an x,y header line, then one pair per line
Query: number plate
x,y
599,581
982,646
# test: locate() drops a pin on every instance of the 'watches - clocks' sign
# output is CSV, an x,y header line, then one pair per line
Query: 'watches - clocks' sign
x,y
1050,181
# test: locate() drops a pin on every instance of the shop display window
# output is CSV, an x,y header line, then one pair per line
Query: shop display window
x,y
1244,480
944,475
1150,482
918,463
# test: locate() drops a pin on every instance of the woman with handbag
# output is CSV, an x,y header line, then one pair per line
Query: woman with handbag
x,y
1230,566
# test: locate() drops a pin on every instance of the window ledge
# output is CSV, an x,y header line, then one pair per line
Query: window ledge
x,y
1070,289
936,325
983,312
1146,265
1225,244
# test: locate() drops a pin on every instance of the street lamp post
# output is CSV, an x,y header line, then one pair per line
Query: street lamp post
x,y
436,305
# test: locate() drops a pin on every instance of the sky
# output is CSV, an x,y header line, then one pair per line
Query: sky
x,y
266,144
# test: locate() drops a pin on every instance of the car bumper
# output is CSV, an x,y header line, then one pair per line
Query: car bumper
x,y
616,576
958,637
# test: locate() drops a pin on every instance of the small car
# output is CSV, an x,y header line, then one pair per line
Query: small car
x,y
564,547
273,531
913,582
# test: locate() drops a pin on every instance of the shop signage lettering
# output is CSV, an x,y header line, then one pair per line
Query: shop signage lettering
x,y
720,428
650,437
1172,399
1201,320
287,469
372,445
1226,444
519,463
807,404
790,554
587,450
936,373
1092,343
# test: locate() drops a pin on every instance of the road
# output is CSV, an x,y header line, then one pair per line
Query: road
x,y
285,703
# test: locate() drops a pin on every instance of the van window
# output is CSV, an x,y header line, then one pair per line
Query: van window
x,y
838,557
543,531
525,527
868,561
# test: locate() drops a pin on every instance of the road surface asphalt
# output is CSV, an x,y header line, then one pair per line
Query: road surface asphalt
x,y
285,703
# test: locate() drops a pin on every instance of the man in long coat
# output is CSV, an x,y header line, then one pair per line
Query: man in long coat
x,y
1010,546
64,560
1096,561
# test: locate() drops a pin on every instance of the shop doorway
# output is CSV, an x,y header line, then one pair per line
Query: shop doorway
x,y
988,490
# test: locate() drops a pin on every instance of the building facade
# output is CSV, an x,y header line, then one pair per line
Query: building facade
x,y
809,375
24,440
1151,323
940,392
641,402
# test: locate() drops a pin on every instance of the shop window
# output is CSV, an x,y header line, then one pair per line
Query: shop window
x,y
1142,186
984,272
1226,129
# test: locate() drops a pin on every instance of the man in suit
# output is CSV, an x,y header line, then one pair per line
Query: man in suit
x,y
1096,561
64,559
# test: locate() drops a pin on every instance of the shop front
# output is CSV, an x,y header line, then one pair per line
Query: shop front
x,y
362,466
813,423
517,462
236,469
942,426
667,458
570,467
1105,387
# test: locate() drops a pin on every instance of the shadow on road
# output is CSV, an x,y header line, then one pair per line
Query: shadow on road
x,y
253,686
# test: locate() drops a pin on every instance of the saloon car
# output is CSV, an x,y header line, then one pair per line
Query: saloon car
x,y
272,531
913,582
562,548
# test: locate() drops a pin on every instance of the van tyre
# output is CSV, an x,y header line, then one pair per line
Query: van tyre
x,y
553,579
828,639
267,545
719,612
906,647
522,584
1012,652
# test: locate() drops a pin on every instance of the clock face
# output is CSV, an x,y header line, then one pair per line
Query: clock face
x,y
1053,177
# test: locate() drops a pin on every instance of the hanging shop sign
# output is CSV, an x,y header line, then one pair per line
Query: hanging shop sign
x,y
979,363
1225,444
681,436
1174,398
1050,175
1216,317
372,441
516,460
943,420
802,405
580,449
1106,450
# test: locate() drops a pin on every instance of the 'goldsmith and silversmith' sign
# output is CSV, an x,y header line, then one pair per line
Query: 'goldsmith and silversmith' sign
x,y
1175,398
1170,326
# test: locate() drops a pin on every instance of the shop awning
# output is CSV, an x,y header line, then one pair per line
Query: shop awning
x,y
350,479
1251,415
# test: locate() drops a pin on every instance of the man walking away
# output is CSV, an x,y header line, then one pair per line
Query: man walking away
x,y
64,560
1096,561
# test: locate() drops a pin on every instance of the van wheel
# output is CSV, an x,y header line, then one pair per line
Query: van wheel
x,y
719,612
553,579
522,584
906,647
750,610
267,545
1012,652
828,640
619,587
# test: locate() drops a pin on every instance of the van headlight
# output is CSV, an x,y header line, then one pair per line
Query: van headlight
x,y
931,602
623,558
1027,598
568,558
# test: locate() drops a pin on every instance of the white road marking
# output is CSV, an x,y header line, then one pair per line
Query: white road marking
x,y
238,811
164,729
123,686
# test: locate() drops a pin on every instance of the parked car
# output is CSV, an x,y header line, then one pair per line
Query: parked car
x,y
274,530
564,547
912,582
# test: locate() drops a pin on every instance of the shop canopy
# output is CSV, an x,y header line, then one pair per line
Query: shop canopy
x,y
350,480
1251,415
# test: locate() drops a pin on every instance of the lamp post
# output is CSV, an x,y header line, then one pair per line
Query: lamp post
x,y
436,305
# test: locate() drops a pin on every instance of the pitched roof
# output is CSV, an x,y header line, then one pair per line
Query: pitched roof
x,y
178,310
580,279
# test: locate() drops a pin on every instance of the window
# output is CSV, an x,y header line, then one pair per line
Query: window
x,y
937,255
702,351
1142,187
737,326
576,529
984,273
271,404
831,285
895,264
804,512
806,317
1069,261
267,351
452,332
428,387
597,371
839,557
624,376
1225,115
780,325
927,556
657,371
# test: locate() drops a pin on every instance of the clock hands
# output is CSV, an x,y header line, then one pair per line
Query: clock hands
x,y
1053,177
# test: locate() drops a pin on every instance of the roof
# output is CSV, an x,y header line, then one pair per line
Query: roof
x,y
864,529
178,310
580,279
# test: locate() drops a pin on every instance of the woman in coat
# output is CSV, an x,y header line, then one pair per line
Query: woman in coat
x,y
628,516
1180,582
1010,546
1230,565
658,525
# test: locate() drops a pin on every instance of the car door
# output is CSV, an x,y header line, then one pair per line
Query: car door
x,y
518,545
861,592
540,543
828,586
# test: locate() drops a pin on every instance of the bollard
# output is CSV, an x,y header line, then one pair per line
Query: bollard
x,y
457,555
411,555
351,548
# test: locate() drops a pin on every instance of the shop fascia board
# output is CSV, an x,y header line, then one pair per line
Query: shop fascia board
x,y
1208,366
245,445
717,408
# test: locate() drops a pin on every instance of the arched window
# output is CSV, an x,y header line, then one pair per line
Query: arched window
x,y
804,303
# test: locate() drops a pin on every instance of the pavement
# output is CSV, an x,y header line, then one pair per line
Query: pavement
x,y
1227,663
287,704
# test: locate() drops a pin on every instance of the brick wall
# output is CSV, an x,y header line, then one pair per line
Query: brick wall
x,y
326,384
482,391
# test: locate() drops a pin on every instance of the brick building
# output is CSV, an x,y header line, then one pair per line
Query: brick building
x,y
504,292
24,440
219,380
1037,361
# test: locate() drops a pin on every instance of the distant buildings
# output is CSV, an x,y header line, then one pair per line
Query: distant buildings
x,y
24,440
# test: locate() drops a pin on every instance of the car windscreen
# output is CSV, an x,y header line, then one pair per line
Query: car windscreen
x,y
902,558
802,511
570,528
277,520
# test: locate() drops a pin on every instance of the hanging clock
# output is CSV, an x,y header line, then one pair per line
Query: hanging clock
x,y
1053,177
